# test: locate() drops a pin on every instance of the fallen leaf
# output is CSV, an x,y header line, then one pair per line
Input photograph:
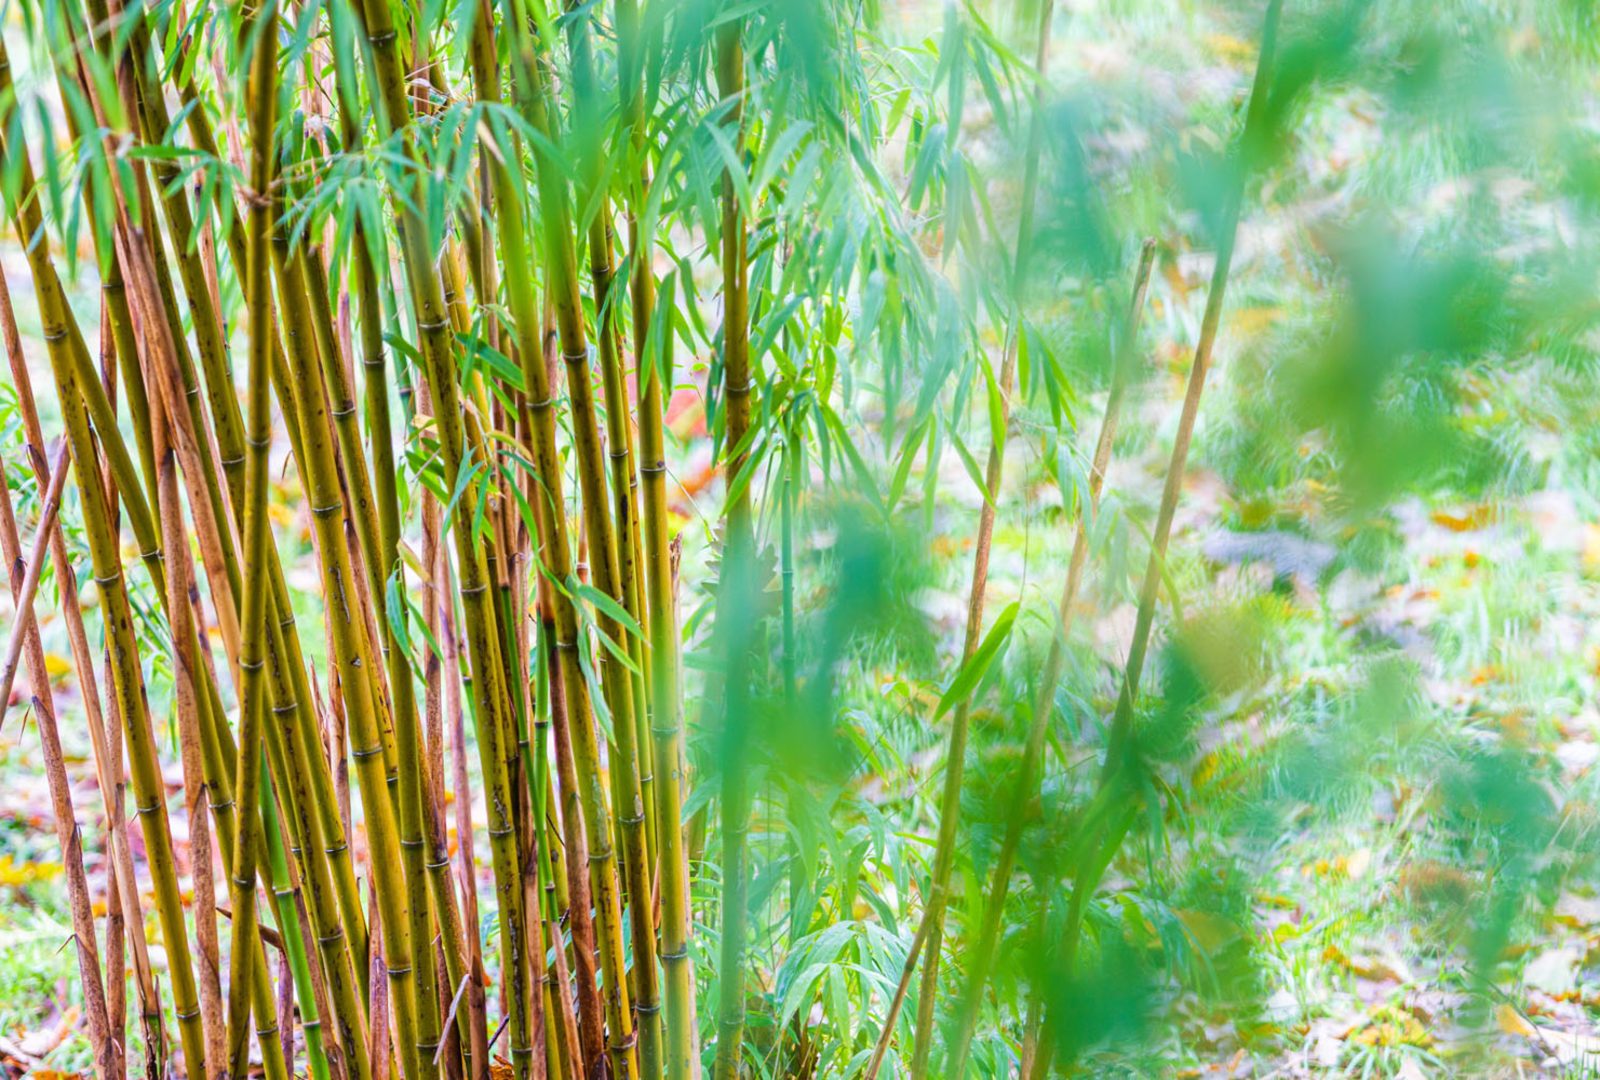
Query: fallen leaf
x,y
1410,1070
1511,1022
1554,971
1475,518
1568,1047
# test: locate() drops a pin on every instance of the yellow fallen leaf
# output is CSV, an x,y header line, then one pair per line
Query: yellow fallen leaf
x,y
1365,967
1474,519
1511,1022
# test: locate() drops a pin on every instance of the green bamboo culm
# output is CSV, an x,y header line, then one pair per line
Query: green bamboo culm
x,y
955,761
355,659
561,268
737,588
981,958
1116,806
261,45
618,576
490,695
652,339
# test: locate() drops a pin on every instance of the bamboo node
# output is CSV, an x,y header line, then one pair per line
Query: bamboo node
x,y
329,939
654,470
324,511
440,325
395,973
362,755
259,444
107,579
185,1017
288,707
507,831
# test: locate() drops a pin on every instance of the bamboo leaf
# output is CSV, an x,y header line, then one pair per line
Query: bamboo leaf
x,y
973,472
974,669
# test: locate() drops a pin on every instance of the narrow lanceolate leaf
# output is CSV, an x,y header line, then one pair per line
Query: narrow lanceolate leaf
x,y
972,672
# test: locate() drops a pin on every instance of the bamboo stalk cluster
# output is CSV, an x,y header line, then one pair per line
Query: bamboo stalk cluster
x,y
517,311
403,976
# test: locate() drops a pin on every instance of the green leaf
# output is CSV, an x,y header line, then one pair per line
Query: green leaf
x,y
973,472
974,669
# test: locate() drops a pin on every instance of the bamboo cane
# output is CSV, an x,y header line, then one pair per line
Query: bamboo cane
x,y
130,244
68,834
262,96
561,257
107,763
187,704
127,679
355,659
955,761
1044,703
408,776
439,371
737,587
653,354
25,628
1118,761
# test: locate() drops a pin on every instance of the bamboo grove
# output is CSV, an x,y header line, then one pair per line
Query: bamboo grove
x,y
441,267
